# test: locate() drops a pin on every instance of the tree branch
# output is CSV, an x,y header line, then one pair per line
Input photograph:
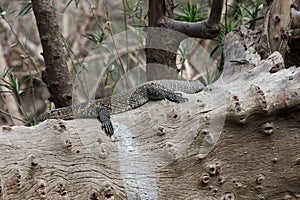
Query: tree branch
x,y
204,29
215,13
191,29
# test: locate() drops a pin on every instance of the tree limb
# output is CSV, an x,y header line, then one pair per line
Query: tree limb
x,y
204,29
191,29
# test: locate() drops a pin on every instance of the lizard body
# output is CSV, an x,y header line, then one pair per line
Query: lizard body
x,y
126,100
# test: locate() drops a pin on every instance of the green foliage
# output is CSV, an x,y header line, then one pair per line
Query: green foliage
x,y
184,51
97,38
230,25
69,3
243,14
2,12
9,81
192,12
249,12
27,8
246,12
134,11
211,76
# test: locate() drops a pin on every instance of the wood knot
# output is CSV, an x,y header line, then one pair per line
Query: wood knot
x,y
61,127
214,168
228,196
259,179
33,160
276,18
205,178
107,190
267,128
68,143
161,131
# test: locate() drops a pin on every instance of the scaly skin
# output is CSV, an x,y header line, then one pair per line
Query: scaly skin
x,y
124,101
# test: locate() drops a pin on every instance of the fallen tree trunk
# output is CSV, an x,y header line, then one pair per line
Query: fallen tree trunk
x,y
237,139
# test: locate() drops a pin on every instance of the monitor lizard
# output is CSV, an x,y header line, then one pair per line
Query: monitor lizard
x,y
126,100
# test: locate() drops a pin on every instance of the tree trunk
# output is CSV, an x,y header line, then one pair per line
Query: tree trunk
x,y
56,76
162,45
237,139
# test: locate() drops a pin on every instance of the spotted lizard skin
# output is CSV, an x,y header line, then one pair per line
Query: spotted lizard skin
x,y
126,100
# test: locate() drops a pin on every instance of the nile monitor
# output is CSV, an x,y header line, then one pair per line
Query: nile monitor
x,y
125,100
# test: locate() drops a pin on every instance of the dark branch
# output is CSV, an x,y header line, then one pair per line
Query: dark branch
x,y
191,29
56,75
215,13
156,11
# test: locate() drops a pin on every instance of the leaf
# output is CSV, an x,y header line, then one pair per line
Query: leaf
x,y
26,9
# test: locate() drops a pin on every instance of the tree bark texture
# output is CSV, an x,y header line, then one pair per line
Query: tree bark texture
x,y
205,29
165,150
161,46
277,25
56,76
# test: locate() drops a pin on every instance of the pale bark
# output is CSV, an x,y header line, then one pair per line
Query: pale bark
x,y
174,151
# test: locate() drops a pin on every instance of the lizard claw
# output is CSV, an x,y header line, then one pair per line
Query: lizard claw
x,y
107,126
104,118
176,97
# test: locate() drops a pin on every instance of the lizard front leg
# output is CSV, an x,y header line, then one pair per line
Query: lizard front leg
x,y
156,93
103,116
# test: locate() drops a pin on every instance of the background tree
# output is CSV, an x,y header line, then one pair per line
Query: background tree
x,y
160,15
56,75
